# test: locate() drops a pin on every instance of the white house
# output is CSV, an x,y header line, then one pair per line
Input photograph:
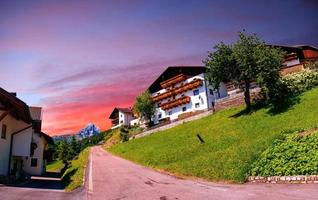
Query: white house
x,y
19,142
121,117
181,91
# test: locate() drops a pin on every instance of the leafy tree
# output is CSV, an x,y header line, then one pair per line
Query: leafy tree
x,y
64,150
144,106
248,59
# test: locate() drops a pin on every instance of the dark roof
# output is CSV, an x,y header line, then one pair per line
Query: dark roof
x,y
114,114
298,49
174,71
48,138
20,110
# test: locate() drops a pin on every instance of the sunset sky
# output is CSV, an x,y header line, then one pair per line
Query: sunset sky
x,y
79,59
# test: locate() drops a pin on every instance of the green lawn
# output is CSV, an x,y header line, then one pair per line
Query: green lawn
x,y
55,166
73,176
231,145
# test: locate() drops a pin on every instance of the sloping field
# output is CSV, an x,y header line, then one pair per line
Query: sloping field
x,y
232,143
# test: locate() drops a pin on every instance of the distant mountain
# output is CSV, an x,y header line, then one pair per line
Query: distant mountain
x,y
88,131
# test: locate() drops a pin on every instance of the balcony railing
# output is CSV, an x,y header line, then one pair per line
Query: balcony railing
x,y
178,90
174,80
175,103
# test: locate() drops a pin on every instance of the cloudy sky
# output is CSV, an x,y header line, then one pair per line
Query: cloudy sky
x,y
79,59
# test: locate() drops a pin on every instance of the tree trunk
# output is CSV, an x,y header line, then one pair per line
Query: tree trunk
x,y
247,96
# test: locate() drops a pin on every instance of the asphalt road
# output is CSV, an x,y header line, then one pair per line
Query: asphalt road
x,y
111,177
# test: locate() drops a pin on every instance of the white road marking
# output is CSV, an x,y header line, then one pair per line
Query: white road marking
x,y
90,176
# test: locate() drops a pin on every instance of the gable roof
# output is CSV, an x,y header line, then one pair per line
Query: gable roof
x,y
116,110
298,49
174,71
20,110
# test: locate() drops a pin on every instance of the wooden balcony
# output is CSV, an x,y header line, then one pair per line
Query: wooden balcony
x,y
175,103
115,122
178,90
174,80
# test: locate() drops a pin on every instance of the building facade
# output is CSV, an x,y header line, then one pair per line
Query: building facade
x,y
20,149
180,91
121,117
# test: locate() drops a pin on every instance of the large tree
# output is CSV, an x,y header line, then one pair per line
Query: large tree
x,y
144,106
248,59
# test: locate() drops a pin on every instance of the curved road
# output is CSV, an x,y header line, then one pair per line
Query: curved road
x,y
111,177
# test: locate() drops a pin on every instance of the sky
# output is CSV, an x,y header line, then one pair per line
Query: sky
x,y
80,59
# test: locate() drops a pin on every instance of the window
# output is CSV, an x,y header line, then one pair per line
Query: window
x,y
159,116
184,109
197,105
170,113
4,131
121,121
195,92
211,92
34,162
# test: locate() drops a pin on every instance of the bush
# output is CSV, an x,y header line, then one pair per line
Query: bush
x,y
124,135
292,154
301,81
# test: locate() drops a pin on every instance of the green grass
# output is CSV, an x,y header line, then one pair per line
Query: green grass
x,y
73,176
231,145
55,166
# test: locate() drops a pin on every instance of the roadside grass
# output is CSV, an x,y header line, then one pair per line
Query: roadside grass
x,y
232,142
55,166
73,176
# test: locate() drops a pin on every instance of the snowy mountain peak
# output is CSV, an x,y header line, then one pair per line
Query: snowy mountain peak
x,y
88,131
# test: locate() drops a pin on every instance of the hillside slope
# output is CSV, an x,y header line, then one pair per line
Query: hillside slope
x,y
231,143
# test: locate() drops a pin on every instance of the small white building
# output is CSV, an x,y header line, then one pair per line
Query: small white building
x,y
20,147
181,91
121,117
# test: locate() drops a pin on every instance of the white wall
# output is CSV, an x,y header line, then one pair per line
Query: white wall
x,y
201,99
292,62
125,118
38,154
21,143
13,125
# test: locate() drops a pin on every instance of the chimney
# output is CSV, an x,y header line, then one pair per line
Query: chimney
x,y
13,93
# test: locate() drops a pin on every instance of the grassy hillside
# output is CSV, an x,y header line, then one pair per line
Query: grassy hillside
x,y
55,166
73,176
231,145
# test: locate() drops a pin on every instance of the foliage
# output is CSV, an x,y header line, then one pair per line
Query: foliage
x,y
231,145
301,81
311,65
64,152
68,150
292,155
124,135
73,176
144,106
243,62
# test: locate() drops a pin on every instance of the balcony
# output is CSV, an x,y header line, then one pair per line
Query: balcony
x,y
178,90
175,103
115,122
174,80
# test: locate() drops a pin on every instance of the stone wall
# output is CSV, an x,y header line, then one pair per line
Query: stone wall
x,y
284,179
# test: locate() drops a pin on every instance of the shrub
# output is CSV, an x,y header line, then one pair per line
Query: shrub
x,y
292,154
124,135
301,81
